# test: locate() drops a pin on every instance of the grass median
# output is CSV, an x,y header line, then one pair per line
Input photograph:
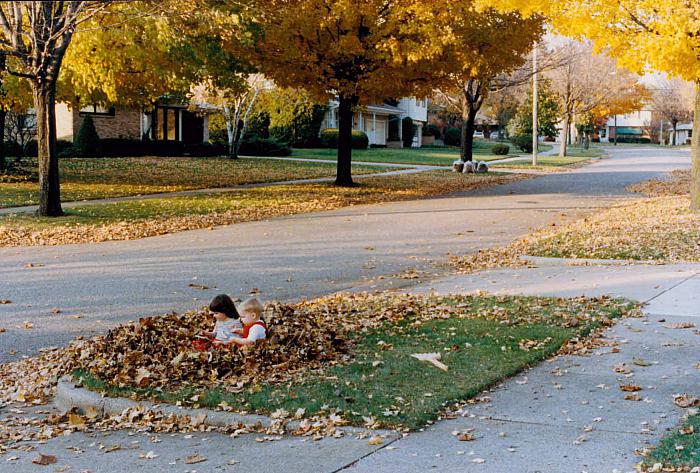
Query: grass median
x,y
98,178
481,339
127,220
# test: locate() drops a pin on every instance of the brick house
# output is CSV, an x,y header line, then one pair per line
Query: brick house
x,y
163,123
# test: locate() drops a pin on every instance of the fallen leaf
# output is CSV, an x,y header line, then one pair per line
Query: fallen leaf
x,y
198,286
375,441
465,437
196,458
150,455
633,397
432,358
680,325
630,387
684,400
5,301
640,362
44,459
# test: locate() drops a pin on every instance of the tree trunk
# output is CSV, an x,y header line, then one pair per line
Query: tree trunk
x,y
344,168
695,173
564,136
44,92
3,115
468,121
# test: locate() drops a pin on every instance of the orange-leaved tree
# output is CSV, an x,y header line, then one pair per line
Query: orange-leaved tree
x,y
355,51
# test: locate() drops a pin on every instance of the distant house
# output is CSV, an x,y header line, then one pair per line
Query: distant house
x,y
163,123
685,133
630,125
377,119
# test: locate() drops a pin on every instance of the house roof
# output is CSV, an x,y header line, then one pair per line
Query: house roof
x,y
384,109
685,126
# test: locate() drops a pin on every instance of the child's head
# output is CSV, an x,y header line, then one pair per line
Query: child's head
x,y
223,307
251,310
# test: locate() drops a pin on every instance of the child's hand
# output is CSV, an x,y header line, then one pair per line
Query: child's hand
x,y
237,330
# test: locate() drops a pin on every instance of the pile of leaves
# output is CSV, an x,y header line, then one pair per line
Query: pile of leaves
x,y
136,219
157,352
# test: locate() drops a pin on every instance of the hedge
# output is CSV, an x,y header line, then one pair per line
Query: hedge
x,y
500,149
453,137
329,139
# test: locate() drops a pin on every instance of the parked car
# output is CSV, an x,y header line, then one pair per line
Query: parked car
x,y
478,134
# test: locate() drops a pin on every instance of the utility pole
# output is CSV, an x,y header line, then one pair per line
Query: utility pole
x,y
534,106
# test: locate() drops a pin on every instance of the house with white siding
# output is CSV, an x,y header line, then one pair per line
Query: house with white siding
x,y
375,119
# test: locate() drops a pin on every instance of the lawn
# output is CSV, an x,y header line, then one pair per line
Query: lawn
x,y
481,339
680,449
133,219
97,178
436,156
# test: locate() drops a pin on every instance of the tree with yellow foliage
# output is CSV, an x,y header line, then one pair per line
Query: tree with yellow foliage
x,y
355,51
483,46
643,35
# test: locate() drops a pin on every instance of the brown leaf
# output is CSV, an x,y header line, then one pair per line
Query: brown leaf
x,y
685,400
630,387
44,460
465,437
196,458
680,325
198,286
633,397
5,301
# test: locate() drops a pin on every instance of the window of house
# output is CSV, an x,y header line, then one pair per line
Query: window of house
x,y
690,133
97,110
167,124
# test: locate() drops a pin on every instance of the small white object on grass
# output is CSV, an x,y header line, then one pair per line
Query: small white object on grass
x,y
433,358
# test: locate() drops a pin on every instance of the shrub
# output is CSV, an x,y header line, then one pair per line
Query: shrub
x,y
522,142
13,149
87,141
205,150
122,147
408,131
431,130
257,146
631,139
31,149
329,139
302,125
500,149
453,137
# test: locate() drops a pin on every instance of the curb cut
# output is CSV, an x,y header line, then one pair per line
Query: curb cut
x,y
69,396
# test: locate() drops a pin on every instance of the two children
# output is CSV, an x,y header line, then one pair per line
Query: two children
x,y
228,329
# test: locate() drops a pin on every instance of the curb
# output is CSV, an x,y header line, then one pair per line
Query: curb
x,y
547,261
69,396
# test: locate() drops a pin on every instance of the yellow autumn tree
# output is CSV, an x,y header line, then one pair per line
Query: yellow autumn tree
x,y
355,51
643,35
481,46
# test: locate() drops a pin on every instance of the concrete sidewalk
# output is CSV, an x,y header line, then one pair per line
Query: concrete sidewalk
x,y
569,414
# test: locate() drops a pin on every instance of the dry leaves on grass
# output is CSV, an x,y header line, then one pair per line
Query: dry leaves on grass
x,y
678,183
235,207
